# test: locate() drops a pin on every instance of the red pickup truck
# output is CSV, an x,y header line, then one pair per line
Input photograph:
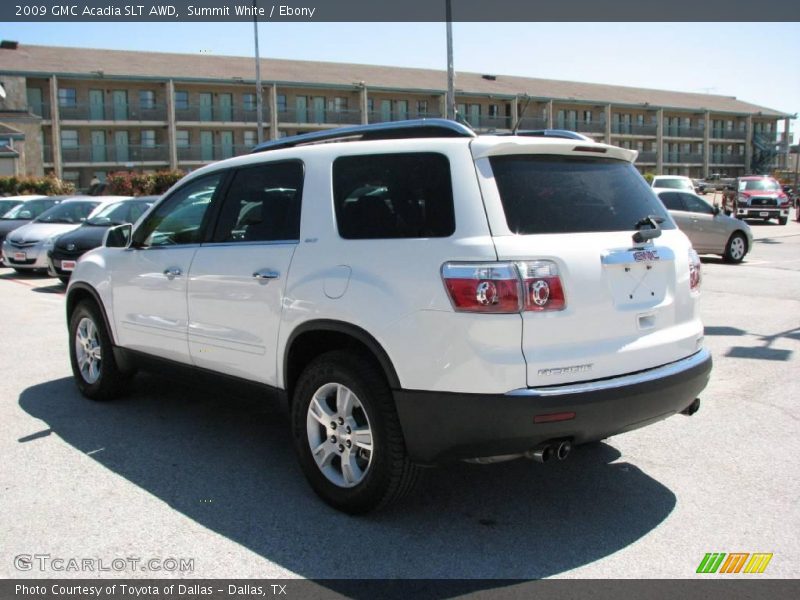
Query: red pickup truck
x,y
757,197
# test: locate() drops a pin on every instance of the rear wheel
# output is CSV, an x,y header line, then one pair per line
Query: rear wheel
x,y
347,434
64,279
782,220
91,354
736,248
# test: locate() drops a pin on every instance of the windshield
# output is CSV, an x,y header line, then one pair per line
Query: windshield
x,y
120,212
558,194
29,210
763,185
68,212
673,183
7,205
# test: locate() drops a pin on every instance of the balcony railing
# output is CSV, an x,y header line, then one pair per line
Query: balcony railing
x,y
113,112
319,117
109,154
487,122
207,153
591,127
683,158
728,134
532,123
41,109
726,159
646,156
633,129
683,132
220,114
378,116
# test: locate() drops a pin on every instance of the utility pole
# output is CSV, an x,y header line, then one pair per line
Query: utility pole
x,y
259,99
451,95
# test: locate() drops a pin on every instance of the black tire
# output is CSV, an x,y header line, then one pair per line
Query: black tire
x,y
21,271
389,474
733,249
64,279
782,220
111,379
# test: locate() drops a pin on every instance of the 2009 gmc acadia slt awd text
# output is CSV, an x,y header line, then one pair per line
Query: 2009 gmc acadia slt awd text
x,y
417,293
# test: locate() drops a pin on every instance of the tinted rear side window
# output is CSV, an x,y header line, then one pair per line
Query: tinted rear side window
x,y
407,195
557,194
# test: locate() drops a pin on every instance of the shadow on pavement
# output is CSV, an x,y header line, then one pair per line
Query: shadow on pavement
x,y
225,460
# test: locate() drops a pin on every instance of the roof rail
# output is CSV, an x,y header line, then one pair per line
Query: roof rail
x,y
415,128
556,133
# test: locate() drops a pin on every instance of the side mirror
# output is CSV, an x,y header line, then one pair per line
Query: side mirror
x,y
119,236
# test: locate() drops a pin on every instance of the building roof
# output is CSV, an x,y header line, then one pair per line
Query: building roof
x,y
9,133
87,62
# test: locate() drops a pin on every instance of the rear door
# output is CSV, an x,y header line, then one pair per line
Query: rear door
x,y
627,305
237,281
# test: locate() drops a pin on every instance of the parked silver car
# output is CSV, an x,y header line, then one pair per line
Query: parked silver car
x,y
710,231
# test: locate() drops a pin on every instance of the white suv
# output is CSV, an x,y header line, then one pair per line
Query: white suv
x,y
418,294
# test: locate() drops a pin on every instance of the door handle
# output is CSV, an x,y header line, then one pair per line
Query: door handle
x,y
266,274
172,273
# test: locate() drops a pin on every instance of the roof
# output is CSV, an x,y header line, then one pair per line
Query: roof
x,y
9,133
88,62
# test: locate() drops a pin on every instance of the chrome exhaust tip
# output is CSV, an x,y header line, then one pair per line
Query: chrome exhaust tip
x,y
564,448
541,453
692,408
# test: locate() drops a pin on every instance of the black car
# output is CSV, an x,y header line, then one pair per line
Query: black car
x,y
25,213
68,248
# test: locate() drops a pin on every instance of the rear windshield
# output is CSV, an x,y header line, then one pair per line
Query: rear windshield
x,y
672,183
559,194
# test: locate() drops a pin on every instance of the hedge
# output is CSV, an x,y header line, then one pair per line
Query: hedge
x,y
127,183
11,185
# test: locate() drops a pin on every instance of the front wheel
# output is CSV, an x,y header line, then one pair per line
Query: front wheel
x,y
91,354
782,220
736,248
347,434
64,279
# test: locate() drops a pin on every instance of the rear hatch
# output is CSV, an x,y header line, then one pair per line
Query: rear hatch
x,y
571,215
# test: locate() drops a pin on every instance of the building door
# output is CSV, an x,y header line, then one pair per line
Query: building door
x,y
226,143
206,145
386,110
301,109
121,146
205,106
120,105
98,146
96,112
401,110
35,104
225,107
474,115
318,107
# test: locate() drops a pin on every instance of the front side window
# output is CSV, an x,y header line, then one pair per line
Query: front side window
x,y
407,195
672,200
263,204
179,219
561,194
697,205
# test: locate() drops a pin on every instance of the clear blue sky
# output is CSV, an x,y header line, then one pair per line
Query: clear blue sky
x,y
731,59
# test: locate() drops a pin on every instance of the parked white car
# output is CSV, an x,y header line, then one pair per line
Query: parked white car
x,y
710,231
672,182
25,248
417,294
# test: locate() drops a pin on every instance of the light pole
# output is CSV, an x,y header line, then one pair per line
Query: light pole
x,y
259,99
450,99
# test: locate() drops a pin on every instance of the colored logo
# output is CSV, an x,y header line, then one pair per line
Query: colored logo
x,y
735,562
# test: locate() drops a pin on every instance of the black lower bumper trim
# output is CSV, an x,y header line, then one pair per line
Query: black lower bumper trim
x,y
441,427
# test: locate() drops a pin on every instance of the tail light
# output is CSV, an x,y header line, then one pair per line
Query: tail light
x,y
694,271
508,287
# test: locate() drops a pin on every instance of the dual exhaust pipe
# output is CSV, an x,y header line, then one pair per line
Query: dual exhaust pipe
x,y
558,449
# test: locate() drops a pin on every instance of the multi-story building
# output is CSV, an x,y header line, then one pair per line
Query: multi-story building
x,y
81,113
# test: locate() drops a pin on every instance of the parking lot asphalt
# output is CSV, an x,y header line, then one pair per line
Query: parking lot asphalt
x,y
184,471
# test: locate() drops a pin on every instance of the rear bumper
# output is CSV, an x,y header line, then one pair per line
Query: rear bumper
x,y
440,427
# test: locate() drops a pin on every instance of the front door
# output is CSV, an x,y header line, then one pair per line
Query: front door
x,y
35,103
319,109
301,109
225,107
386,110
96,105
121,146
237,282
150,278
205,106
206,145
98,146
120,105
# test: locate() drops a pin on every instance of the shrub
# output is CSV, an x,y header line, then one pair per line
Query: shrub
x,y
126,183
648,176
49,185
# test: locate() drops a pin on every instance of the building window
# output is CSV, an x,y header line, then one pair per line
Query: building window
x,y
147,99
69,138
370,104
587,116
494,110
422,107
339,104
181,100
281,100
250,139
182,138
249,101
148,138
640,119
67,97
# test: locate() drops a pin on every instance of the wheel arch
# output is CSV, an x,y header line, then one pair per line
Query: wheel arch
x,y
80,291
313,338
